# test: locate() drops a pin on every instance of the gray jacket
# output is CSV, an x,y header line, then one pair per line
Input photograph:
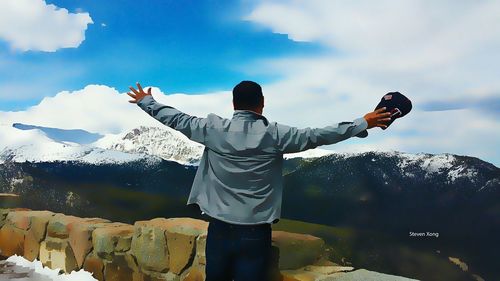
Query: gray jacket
x,y
239,179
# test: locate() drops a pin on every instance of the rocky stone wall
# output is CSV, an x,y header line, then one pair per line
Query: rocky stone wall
x,y
157,249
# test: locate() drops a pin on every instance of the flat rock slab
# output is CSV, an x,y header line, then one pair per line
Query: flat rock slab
x,y
365,275
149,247
11,241
56,253
172,240
59,224
80,237
297,250
183,225
114,237
8,195
328,269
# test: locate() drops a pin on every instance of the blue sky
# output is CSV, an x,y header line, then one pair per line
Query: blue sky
x,y
320,62
181,46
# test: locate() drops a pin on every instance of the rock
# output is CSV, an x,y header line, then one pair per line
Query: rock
x,y
94,265
149,246
58,224
313,272
156,276
11,241
463,266
477,277
114,237
363,274
3,216
5,212
38,223
181,250
188,226
118,270
195,273
286,277
31,247
181,236
299,275
149,235
297,250
36,233
80,238
57,253
327,269
201,244
19,219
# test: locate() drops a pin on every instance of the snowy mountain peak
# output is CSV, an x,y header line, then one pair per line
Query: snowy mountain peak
x,y
158,141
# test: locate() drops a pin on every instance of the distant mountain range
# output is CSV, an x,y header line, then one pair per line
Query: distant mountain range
x,y
22,142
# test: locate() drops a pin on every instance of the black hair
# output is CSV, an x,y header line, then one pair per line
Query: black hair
x,y
247,95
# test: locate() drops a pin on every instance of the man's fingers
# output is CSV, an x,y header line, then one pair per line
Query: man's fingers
x,y
139,87
133,90
380,109
131,95
382,125
132,101
385,119
385,114
149,91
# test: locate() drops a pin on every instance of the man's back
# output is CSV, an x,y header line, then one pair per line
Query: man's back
x,y
239,177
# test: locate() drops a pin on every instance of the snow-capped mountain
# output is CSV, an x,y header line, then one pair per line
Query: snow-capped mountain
x,y
157,141
34,145
410,165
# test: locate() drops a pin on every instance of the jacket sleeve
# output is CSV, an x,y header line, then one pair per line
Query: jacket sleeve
x,y
291,139
191,126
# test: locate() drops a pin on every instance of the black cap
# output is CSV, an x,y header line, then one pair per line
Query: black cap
x,y
394,102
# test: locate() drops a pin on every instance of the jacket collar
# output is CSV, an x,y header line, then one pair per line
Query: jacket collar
x,y
248,115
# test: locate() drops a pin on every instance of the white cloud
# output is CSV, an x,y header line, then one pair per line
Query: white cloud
x,y
38,26
101,109
444,51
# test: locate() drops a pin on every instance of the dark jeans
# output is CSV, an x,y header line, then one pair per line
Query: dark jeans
x,y
239,252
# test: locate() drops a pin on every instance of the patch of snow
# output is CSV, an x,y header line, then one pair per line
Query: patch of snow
x,y
438,163
311,153
14,181
462,172
44,273
409,175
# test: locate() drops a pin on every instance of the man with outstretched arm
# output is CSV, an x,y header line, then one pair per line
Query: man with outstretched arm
x,y
238,184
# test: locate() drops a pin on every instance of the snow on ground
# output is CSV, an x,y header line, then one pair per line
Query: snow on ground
x,y
38,272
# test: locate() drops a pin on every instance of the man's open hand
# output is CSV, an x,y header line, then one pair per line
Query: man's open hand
x,y
138,94
377,118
